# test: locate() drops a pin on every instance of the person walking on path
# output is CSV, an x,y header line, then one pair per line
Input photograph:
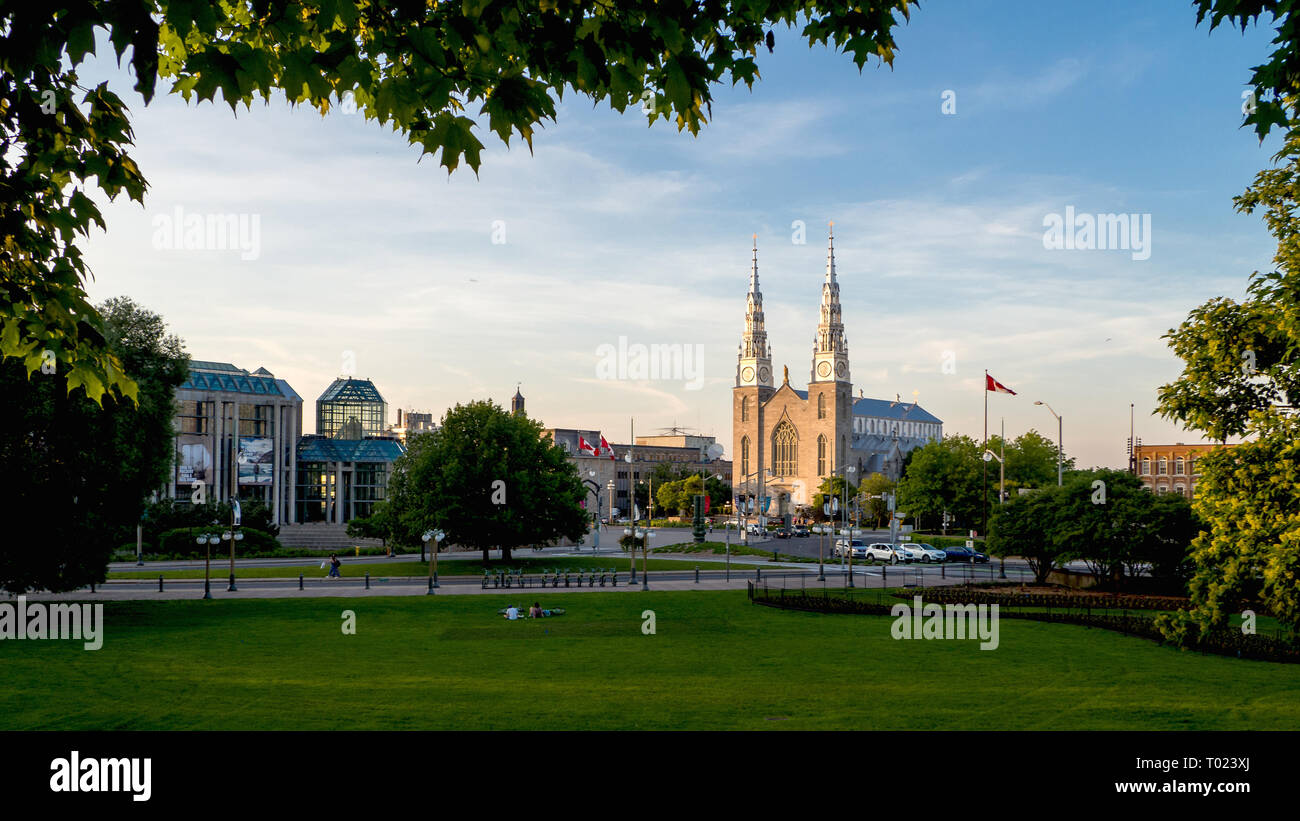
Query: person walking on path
x,y
335,564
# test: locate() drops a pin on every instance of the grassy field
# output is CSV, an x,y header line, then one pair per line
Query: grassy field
x,y
458,567
716,662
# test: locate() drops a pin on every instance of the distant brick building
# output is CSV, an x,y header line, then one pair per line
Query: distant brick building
x,y
1170,468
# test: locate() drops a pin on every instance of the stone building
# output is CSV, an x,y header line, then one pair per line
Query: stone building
x,y
236,433
786,441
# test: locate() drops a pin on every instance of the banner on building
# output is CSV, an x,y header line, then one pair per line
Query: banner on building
x,y
256,460
193,459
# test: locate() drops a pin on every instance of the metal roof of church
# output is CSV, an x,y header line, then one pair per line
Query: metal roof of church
x,y
884,409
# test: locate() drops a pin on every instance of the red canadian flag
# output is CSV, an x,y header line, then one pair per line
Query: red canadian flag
x,y
994,385
584,447
606,446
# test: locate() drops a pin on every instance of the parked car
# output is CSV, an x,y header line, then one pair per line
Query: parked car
x,y
927,552
856,546
755,530
800,532
965,554
885,552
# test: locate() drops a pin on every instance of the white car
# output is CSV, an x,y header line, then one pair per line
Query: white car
x,y
857,546
922,552
885,552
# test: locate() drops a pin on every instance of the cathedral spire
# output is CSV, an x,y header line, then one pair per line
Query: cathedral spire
x,y
830,255
830,348
754,362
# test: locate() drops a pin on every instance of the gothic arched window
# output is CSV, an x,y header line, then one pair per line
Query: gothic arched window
x,y
744,456
785,455
821,406
744,408
821,455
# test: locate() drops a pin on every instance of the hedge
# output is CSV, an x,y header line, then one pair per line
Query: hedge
x,y
181,542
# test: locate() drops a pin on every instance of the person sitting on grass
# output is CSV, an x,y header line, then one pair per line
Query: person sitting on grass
x,y
512,612
535,612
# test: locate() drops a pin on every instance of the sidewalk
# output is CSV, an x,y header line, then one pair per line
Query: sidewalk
x,y
351,587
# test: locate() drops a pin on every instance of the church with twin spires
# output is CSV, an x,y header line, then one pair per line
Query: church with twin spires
x,y
786,441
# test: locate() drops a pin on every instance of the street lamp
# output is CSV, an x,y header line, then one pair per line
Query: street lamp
x,y
595,491
631,550
1002,493
208,539
645,558
1060,466
434,536
232,537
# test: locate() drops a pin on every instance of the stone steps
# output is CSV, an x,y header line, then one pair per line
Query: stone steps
x,y
322,536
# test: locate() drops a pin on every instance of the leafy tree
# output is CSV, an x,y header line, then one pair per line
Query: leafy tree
x,y
374,526
1241,377
1031,460
943,475
1024,526
875,510
422,68
832,487
488,479
80,471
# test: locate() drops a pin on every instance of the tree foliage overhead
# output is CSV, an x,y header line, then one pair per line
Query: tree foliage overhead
x,y
433,71
79,472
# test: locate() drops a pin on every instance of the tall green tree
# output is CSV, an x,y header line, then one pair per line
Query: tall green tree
x,y
77,474
1025,526
943,476
1241,378
432,71
488,479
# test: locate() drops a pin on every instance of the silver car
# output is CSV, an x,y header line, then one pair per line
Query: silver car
x,y
921,552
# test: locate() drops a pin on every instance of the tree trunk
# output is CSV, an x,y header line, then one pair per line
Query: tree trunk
x,y
486,558
505,553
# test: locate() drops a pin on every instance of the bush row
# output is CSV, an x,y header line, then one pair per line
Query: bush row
x,y
1067,601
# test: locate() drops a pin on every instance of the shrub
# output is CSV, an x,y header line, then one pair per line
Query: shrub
x,y
181,542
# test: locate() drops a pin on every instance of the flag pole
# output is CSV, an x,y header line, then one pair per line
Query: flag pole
x,y
984,526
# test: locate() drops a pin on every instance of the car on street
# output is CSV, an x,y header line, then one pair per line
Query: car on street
x,y
782,533
755,530
962,553
800,532
887,553
856,546
926,553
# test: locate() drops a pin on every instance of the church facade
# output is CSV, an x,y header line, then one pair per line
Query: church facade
x,y
786,441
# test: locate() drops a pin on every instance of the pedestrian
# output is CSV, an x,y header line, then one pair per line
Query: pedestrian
x,y
335,564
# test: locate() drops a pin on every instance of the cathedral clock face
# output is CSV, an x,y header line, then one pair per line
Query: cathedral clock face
x,y
747,375
765,374
840,369
824,369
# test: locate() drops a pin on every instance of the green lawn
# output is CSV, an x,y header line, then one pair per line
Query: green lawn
x,y
716,662
458,567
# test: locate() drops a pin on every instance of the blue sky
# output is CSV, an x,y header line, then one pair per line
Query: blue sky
x,y
615,229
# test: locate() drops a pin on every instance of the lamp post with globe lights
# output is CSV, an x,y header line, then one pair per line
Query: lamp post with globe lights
x,y
208,539
435,536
